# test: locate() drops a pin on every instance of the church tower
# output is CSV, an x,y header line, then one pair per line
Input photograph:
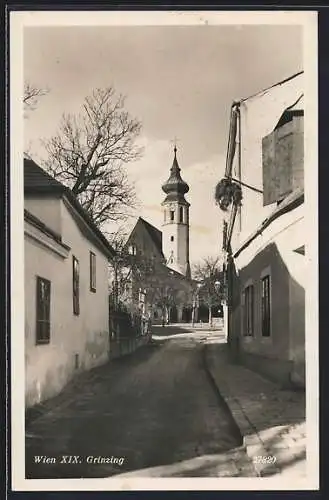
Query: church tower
x,y
175,228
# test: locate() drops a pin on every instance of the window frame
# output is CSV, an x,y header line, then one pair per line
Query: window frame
x,y
266,275
76,285
40,337
92,271
172,215
248,318
172,238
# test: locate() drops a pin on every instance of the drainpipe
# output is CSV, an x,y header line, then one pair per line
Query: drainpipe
x,y
229,297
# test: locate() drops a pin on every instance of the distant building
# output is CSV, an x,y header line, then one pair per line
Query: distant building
x,y
66,287
265,237
170,285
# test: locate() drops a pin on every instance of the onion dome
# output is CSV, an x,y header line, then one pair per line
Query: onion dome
x,y
175,187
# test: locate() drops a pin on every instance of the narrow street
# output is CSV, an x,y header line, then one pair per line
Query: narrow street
x,y
157,407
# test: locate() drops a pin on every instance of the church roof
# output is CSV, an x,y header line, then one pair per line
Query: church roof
x,y
155,234
175,187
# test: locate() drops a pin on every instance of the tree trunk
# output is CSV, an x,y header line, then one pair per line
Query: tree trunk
x,y
167,315
210,316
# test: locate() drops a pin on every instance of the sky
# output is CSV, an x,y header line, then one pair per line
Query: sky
x,y
179,81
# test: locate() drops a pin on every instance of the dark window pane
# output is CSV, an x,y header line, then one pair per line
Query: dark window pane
x,y
43,310
266,306
92,272
249,311
76,305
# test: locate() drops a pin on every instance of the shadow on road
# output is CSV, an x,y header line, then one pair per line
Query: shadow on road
x,y
93,376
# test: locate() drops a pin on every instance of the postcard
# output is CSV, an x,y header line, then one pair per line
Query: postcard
x,y
164,250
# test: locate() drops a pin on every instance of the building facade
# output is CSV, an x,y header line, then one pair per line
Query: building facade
x,y
66,287
265,236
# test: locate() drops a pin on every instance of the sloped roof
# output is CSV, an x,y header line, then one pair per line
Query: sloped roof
x,y
155,234
277,84
38,182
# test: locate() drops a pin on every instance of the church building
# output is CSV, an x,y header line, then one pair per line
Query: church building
x,y
169,290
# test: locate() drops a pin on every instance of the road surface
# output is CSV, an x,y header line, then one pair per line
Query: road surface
x,y
155,411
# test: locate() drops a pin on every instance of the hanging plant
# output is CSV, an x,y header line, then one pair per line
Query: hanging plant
x,y
226,193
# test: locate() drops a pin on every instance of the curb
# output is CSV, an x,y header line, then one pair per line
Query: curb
x,y
251,440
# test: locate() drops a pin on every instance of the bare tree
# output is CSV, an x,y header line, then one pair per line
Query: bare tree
x,y
31,96
89,154
162,291
209,274
130,272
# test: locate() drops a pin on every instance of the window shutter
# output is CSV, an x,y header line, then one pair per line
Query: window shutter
x,y
269,174
298,153
283,160
277,165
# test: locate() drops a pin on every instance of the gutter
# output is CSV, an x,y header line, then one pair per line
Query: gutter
x,y
286,80
288,207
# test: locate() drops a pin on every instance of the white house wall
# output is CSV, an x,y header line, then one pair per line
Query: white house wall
x,y
90,329
259,116
287,232
48,210
274,252
50,366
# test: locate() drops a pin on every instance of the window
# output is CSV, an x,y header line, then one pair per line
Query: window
x,y
92,272
171,238
76,303
132,250
266,307
43,311
172,215
181,214
249,311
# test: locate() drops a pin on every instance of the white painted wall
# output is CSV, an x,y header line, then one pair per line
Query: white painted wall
x,y
259,116
49,367
47,210
288,234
